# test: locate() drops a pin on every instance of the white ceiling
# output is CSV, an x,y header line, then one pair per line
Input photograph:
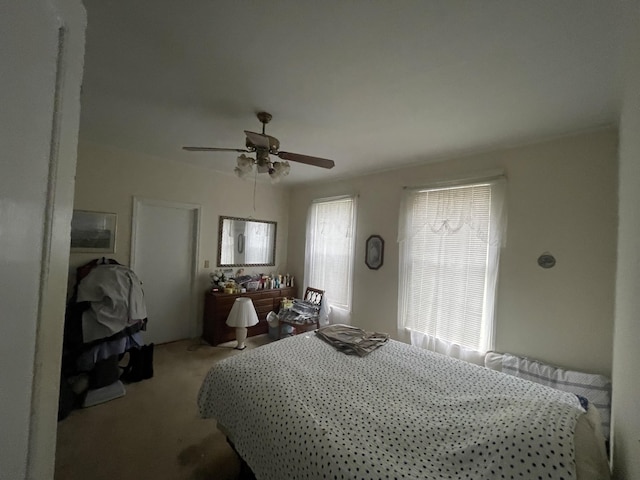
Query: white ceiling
x,y
372,84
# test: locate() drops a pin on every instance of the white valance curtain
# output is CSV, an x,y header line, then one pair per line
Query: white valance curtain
x,y
447,208
450,237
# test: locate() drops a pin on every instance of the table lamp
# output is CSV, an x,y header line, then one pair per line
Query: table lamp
x,y
242,315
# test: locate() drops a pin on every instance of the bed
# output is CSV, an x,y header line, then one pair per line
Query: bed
x,y
298,408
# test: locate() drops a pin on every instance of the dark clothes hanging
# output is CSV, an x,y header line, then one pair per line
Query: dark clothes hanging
x,y
105,369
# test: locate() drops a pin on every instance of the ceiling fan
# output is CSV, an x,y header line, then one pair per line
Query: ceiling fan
x,y
263,146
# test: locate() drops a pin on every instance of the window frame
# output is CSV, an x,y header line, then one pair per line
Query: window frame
x,y
495,239
310,239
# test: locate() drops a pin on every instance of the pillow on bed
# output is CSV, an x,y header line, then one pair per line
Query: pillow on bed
x,y
596,388
493,361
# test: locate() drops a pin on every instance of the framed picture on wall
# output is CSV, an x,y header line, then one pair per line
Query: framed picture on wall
x,y
374,252
93,232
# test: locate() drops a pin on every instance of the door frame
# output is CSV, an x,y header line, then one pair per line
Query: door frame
x,y
39,459
196,210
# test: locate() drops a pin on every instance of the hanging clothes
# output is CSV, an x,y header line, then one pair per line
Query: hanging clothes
x,y
117,301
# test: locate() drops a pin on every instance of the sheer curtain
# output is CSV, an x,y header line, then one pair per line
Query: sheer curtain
x,y
258,241
450,238
330,246
227,249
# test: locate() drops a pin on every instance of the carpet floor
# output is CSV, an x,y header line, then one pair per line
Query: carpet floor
x,y
154,431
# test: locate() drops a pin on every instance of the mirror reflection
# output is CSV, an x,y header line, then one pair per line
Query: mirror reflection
x,y
246,242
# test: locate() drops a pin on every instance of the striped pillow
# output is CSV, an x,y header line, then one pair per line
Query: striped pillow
x,y
596,388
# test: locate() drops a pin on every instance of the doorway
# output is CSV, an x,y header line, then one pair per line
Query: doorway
x,y
164,253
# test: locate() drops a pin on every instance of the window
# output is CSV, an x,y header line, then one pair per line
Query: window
x,y
330,249
450,237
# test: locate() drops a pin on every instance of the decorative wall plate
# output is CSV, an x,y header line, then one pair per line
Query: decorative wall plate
x,y
374,252
546,260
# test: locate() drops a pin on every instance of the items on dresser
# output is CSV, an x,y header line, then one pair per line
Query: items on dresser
x,y
218,305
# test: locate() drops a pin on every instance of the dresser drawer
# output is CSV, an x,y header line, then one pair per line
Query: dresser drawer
x,y
262,303
259,295
218,305
226,301
265,305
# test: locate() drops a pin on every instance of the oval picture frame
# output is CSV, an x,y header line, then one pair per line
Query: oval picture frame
x,y
374,252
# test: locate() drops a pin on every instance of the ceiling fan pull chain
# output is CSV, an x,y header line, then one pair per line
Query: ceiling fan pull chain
x,y
255,183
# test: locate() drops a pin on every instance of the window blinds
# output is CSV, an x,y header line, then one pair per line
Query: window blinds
x,y
449,243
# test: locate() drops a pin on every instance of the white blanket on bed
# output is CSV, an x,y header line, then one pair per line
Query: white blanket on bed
x,y
298,409
596,388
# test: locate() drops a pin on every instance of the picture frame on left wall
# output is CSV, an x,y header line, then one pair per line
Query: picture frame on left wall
x,y
93,232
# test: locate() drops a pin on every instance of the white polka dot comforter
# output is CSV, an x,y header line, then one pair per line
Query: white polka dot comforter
x,y
299,409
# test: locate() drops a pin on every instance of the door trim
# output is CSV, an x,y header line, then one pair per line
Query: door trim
x,y
54,261
195,236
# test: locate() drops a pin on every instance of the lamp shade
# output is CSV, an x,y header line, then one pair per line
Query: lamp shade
x,y
242,314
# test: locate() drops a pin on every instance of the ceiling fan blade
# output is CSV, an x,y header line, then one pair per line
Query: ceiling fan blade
x,y
315,161
214,149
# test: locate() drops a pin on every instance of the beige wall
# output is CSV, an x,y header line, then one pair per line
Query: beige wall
x,y
626,381
561,199
107,179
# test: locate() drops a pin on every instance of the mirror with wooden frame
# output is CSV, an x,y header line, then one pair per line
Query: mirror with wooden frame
x,y
246,242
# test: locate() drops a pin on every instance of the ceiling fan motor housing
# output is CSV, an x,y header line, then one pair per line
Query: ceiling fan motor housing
x,y
274,144
263,160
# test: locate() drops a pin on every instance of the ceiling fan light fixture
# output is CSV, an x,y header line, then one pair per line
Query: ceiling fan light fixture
x,y
263,145
241,173
244,161
245,165
279,170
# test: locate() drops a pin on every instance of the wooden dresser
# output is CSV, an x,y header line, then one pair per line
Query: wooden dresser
x,y
218,305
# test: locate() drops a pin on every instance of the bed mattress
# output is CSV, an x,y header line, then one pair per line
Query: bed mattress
x,y
298,409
